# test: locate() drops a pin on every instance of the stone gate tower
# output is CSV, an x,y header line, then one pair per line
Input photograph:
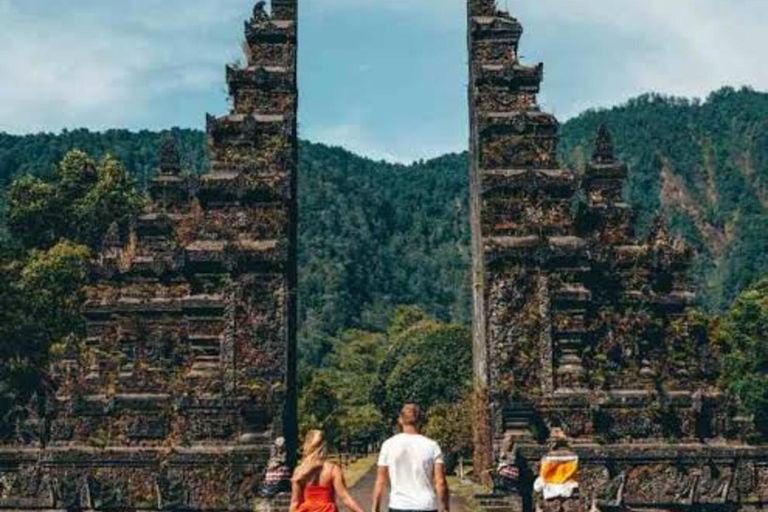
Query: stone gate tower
x,y
187,374
579,324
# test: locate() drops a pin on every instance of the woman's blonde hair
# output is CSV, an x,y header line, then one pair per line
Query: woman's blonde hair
x,y
312,456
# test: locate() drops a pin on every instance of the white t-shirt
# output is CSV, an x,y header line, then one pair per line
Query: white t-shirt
x,y
411,460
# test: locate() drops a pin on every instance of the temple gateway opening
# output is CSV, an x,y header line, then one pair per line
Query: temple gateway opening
x,y
183,395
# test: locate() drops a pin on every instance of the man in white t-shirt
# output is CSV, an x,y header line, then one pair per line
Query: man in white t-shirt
x,y
414,467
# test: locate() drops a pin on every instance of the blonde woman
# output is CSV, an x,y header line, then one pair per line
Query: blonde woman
x,y
316,483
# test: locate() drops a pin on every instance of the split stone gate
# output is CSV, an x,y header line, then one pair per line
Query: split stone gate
x,y
188,372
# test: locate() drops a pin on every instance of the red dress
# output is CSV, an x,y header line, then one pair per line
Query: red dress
x,y
318,498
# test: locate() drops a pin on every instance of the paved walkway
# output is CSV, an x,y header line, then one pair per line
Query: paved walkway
x,y
363,493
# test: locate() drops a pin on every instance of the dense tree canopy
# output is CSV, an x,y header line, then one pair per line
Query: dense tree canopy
x,y
743,336
451,426
366,377
337,395
79,203
40,297
429,362
52,224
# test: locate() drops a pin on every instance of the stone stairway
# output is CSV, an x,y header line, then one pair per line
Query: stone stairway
x,y
499,503
280,503
206,350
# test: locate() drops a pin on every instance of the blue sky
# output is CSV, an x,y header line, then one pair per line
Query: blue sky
x,y
384,78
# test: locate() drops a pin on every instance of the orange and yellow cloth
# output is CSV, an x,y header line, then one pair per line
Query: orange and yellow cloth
x,y
558,476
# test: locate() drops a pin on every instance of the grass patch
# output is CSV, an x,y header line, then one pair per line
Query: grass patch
x,y
466,490
357,469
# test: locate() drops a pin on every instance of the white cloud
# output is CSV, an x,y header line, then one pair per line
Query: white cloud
x,y
691,48
681,47
100,64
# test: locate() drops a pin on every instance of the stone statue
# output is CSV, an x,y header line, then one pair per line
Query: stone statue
x,y
278,477
260,14
277,454
558,471
603,146
506,478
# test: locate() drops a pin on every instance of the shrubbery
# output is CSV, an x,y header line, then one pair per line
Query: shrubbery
x,y
44,265
743,336
416,358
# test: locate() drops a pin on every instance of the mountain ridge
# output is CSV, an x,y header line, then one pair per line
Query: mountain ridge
x,y
375,234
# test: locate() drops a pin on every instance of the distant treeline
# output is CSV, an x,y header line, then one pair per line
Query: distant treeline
x,y
374,235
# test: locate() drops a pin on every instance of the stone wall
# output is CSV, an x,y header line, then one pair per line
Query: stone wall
x,y
580,324
187,374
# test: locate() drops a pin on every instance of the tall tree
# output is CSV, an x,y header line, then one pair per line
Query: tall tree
x,y
40,300
743,336
429,363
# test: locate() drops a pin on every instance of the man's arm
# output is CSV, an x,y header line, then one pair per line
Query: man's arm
x,y
441,486
382,479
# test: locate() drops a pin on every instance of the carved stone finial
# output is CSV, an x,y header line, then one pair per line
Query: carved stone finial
x,y
482,7
659,235
284,9
111,238
260,14
603,153
169,157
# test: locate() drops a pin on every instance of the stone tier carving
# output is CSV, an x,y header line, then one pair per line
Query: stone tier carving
x,y
578,323
187,371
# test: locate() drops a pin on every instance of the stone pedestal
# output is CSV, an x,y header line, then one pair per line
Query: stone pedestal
x,y
559,505
499,502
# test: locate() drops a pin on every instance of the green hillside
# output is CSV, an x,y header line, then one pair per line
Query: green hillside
x,y
705,165
375,235
372,235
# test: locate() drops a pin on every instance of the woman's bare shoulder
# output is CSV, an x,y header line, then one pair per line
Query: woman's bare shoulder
x,y
331,467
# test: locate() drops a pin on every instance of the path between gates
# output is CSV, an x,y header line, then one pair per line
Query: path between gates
x,y
362,491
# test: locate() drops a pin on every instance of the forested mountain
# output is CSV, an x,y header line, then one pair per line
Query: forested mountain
x,y
374,235
37,154
705,166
